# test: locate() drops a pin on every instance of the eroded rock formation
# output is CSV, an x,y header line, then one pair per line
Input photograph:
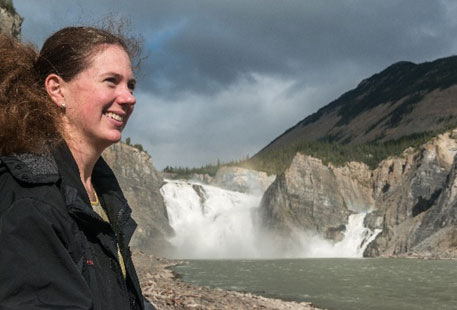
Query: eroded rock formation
x,y
407,191
412,198
10,21
141,183
242,180
310,196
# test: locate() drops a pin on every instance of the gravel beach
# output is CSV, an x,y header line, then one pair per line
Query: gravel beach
x,y
165,291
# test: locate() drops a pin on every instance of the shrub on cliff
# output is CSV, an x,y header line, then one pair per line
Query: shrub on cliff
x,y
8,6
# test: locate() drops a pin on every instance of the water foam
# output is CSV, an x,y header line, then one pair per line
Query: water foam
x,y
356,238
211,222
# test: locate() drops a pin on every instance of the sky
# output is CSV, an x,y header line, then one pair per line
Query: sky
x,y
223,78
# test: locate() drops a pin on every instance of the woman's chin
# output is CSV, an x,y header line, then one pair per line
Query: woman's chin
x,y
109,140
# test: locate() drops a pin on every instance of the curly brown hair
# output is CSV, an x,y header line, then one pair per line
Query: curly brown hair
x,y
29,120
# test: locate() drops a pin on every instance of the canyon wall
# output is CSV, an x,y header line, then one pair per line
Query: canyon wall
x,y
412,198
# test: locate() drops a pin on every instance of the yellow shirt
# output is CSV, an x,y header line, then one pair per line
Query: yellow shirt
x,y
97,207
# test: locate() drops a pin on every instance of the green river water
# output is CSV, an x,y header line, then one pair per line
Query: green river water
x,y
336,283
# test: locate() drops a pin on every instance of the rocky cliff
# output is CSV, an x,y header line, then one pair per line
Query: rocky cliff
x,y
237,179
242,180
311,196
408,190
141,183
412,198
10,21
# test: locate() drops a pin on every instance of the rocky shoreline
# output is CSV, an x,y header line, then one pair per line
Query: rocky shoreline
x,y
166,291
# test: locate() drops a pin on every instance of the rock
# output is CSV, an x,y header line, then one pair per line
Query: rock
x,y
437,228
409,190
10,21
242,180
310,196
202,178
141,183
335,233
412,198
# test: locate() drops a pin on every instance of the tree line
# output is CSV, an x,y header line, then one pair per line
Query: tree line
x,y
278,160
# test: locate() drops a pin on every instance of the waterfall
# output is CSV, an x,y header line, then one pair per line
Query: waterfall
x,y
211,222
356,239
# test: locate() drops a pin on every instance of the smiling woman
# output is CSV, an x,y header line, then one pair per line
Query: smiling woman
x,y
64,221
97,101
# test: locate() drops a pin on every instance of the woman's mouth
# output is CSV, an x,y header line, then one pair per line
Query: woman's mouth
x,y
114,116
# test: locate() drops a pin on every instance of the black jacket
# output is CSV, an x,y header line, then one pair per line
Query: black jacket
x,y
55,251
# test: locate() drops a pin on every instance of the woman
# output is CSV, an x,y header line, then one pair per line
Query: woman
x,y
64,223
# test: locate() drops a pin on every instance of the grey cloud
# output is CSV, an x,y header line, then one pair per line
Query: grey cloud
x,y
225,40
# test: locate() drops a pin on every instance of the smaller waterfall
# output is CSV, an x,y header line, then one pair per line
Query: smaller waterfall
x,y
211,222
356,238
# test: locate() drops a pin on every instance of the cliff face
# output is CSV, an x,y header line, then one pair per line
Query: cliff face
x,y
411,198
312,197
242,180
408,189
141,183
10,21
237,179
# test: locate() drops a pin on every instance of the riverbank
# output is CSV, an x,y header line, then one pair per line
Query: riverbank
x,y
164,290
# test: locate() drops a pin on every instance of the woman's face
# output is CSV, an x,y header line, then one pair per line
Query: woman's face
x,y
99,100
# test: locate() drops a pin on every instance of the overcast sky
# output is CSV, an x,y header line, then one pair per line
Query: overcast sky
x,y
223,78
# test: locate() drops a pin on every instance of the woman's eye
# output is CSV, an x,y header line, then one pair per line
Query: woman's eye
x,y
111,81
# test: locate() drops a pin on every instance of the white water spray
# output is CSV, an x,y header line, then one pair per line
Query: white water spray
x,y
211,222
356,238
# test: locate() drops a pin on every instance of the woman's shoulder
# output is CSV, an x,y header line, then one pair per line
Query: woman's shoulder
x,y
28,176
30,168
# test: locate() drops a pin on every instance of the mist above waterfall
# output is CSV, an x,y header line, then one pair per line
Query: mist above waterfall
x,y
211,222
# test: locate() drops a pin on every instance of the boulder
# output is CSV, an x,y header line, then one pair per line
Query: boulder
x,y
242,180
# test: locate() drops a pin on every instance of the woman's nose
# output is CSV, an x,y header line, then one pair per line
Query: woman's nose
x,y
127,97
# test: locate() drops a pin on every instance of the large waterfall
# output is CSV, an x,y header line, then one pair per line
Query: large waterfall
x,y
211,222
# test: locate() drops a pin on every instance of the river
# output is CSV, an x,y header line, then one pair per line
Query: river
x,y
336,283
215,231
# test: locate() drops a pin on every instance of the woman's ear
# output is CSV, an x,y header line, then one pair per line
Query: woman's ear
x,y
54,87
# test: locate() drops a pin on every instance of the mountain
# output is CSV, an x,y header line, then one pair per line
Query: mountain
x,y
327,172
403,100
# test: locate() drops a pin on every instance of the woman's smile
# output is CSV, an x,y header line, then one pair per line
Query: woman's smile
x,y
100,99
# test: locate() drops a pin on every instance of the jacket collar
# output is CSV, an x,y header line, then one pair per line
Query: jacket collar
x,y
107,188
32,168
